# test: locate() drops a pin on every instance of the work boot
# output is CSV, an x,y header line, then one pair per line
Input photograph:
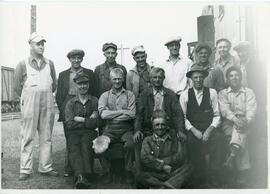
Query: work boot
x,y
23,176
81,182
50,173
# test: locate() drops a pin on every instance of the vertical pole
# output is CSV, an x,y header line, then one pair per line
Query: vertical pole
x,y
33,19
122,52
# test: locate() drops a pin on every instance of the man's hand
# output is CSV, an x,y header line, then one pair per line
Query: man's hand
x,y
196,133
79,119
207,133
94,115
138,136
167,168
181,136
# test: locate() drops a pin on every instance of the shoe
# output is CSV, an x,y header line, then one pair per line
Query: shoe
x,y
81,182
50,173
23,176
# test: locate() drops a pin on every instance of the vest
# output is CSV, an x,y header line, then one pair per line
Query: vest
x,y
199,116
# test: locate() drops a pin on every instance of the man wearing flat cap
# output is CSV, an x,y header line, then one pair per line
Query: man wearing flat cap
x,y
176,67
66,88
138,78
102,71
35,82
202,117
81,120
215,78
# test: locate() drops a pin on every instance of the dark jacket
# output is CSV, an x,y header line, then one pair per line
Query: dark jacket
x,y
146,107
102,73
63,88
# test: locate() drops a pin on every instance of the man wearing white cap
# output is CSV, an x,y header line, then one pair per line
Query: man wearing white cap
x,y
138,78
176,67
35,82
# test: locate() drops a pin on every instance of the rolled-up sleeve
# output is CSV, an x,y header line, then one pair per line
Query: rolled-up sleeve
x,y
183,103
216,114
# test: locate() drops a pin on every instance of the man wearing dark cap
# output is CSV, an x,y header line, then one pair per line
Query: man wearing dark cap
x,y
66,87
35,82
215,77
225,59
81,121
176,67
202,117
102,71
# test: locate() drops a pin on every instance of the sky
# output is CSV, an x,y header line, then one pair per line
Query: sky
x,y
88,25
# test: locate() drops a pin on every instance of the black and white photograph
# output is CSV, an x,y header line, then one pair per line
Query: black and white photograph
x,y
134,96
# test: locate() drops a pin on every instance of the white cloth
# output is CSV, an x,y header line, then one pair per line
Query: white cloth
x,y
175,74
199,95
37,108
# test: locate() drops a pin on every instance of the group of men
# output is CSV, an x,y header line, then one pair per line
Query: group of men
x,y
178,123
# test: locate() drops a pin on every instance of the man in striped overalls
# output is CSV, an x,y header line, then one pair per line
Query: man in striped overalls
x,y
35,82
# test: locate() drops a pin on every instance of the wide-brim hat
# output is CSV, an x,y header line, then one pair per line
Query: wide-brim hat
x,y
75,52
197,68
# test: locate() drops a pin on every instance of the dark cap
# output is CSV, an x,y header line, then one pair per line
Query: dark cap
x,y
109,45
81,77
201,46
76,52
197,68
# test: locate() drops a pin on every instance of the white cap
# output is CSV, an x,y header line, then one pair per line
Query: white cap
x,y
35,37
173,39
136,49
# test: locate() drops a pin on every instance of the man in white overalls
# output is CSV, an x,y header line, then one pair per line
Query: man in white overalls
x,y
35,82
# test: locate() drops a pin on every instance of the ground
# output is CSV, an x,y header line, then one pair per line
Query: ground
x,y
10,163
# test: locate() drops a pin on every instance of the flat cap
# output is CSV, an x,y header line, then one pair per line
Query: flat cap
x,y
81,77
35,37
173,39
75,52
200,46
197,68
137,49
243,45
109,45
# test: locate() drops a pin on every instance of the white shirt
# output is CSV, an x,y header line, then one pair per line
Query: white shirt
x,y
175,74
199,97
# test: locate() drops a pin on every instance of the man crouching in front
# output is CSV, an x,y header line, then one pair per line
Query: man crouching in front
x,y
163,158
81,117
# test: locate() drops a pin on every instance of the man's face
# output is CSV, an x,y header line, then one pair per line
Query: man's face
x,y
243,55
140,59
174,48
117,80
160,126
223,49
76,61
197,79
110,55
83,87
37,47
157,79
234,79
203,55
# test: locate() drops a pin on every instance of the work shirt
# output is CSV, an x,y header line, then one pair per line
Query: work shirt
x,y
235,104
199,96
21,73
72,85
175,74
112,104
102,73
225,65
158,97
75,107
167,148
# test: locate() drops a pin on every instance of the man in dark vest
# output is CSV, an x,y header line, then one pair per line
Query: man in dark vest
x,y
202,117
